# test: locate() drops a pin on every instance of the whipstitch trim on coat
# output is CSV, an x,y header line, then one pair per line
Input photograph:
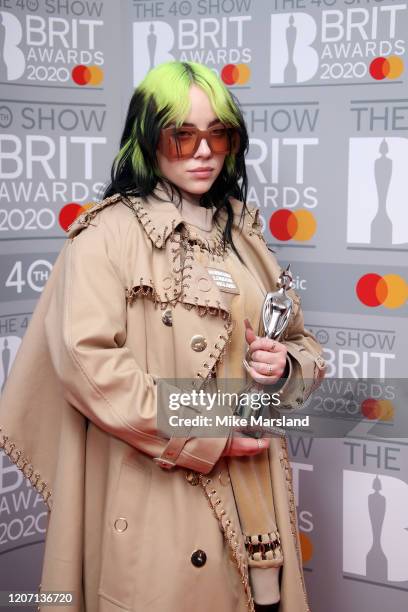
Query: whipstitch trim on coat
x,y
146,288
183,253
255,226
139,210
86,217
292,511
184,247
229,536
264,547
23,464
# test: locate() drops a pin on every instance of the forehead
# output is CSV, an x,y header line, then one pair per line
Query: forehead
x,y
201,112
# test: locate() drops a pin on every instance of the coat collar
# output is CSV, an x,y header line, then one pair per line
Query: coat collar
x,y
160,219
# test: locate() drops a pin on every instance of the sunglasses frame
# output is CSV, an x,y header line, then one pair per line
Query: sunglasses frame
x,y
166,133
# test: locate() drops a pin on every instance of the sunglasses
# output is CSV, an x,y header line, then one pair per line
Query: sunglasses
x,y
183,142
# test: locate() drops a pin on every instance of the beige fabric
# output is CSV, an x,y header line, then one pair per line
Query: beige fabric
x,y
81,423
250,475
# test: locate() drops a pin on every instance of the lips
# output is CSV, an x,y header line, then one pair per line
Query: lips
x,y
204,172
203,169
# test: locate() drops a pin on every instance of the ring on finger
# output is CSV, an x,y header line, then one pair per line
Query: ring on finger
x,y
270,369
259,442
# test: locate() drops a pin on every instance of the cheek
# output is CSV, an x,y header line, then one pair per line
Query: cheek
x,y
220,162
169,169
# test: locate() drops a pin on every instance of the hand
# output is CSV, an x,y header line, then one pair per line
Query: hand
x,y
264,352
240,446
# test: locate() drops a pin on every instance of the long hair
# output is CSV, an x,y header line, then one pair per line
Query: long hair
x,y
163,98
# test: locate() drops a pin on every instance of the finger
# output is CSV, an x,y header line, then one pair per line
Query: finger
x,y
267,344
266,369
266,357
250,335
278,362
260,445
250,446
261,378
247,324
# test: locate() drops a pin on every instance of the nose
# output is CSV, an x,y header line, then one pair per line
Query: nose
x,y
203,149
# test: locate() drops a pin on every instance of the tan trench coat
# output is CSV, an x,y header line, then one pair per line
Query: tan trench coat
x,y
78,417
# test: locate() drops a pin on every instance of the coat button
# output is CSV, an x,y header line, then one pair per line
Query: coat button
x,y
198,558
167,317
198,343
167,282
121,524
193,478
204,284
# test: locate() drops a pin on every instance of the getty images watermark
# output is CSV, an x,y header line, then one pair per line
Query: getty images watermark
x,y
210,402
371,408
212,411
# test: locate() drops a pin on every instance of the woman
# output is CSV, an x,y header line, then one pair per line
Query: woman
x,y
161,282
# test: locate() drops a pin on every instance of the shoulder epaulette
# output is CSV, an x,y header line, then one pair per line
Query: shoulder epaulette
x,y
85,218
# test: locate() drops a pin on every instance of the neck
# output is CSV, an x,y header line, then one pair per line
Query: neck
x,y
196,215
191,198
191,211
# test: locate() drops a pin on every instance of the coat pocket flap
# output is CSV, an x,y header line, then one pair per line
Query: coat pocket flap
x,y
168,290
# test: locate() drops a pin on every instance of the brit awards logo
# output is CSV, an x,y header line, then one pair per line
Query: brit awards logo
x,y
293,58
219,43
153,42
377,176
9,346
338,46
46,49
375,528
12,61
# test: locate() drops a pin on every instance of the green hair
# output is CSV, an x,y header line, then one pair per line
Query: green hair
x,y
170,83
165,89
162,98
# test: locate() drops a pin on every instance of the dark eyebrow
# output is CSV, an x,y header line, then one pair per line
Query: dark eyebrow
x,y
209,125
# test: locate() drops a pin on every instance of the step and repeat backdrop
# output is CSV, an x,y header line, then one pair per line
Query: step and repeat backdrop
x,y
324,90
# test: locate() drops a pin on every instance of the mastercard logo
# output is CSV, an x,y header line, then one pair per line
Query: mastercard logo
x,y
236,74
381,410
70,212
292,225
390,291
386,67
306,547
87,75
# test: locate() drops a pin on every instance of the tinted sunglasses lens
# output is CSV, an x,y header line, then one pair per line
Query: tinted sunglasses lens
x,y
219,140
224,140
182,143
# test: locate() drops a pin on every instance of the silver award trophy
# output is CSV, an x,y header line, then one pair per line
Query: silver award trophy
x,y
276,311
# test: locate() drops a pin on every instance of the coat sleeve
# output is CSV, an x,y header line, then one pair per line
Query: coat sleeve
x,y
306,364
86,332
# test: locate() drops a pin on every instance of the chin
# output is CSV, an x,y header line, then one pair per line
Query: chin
x,y
199,189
